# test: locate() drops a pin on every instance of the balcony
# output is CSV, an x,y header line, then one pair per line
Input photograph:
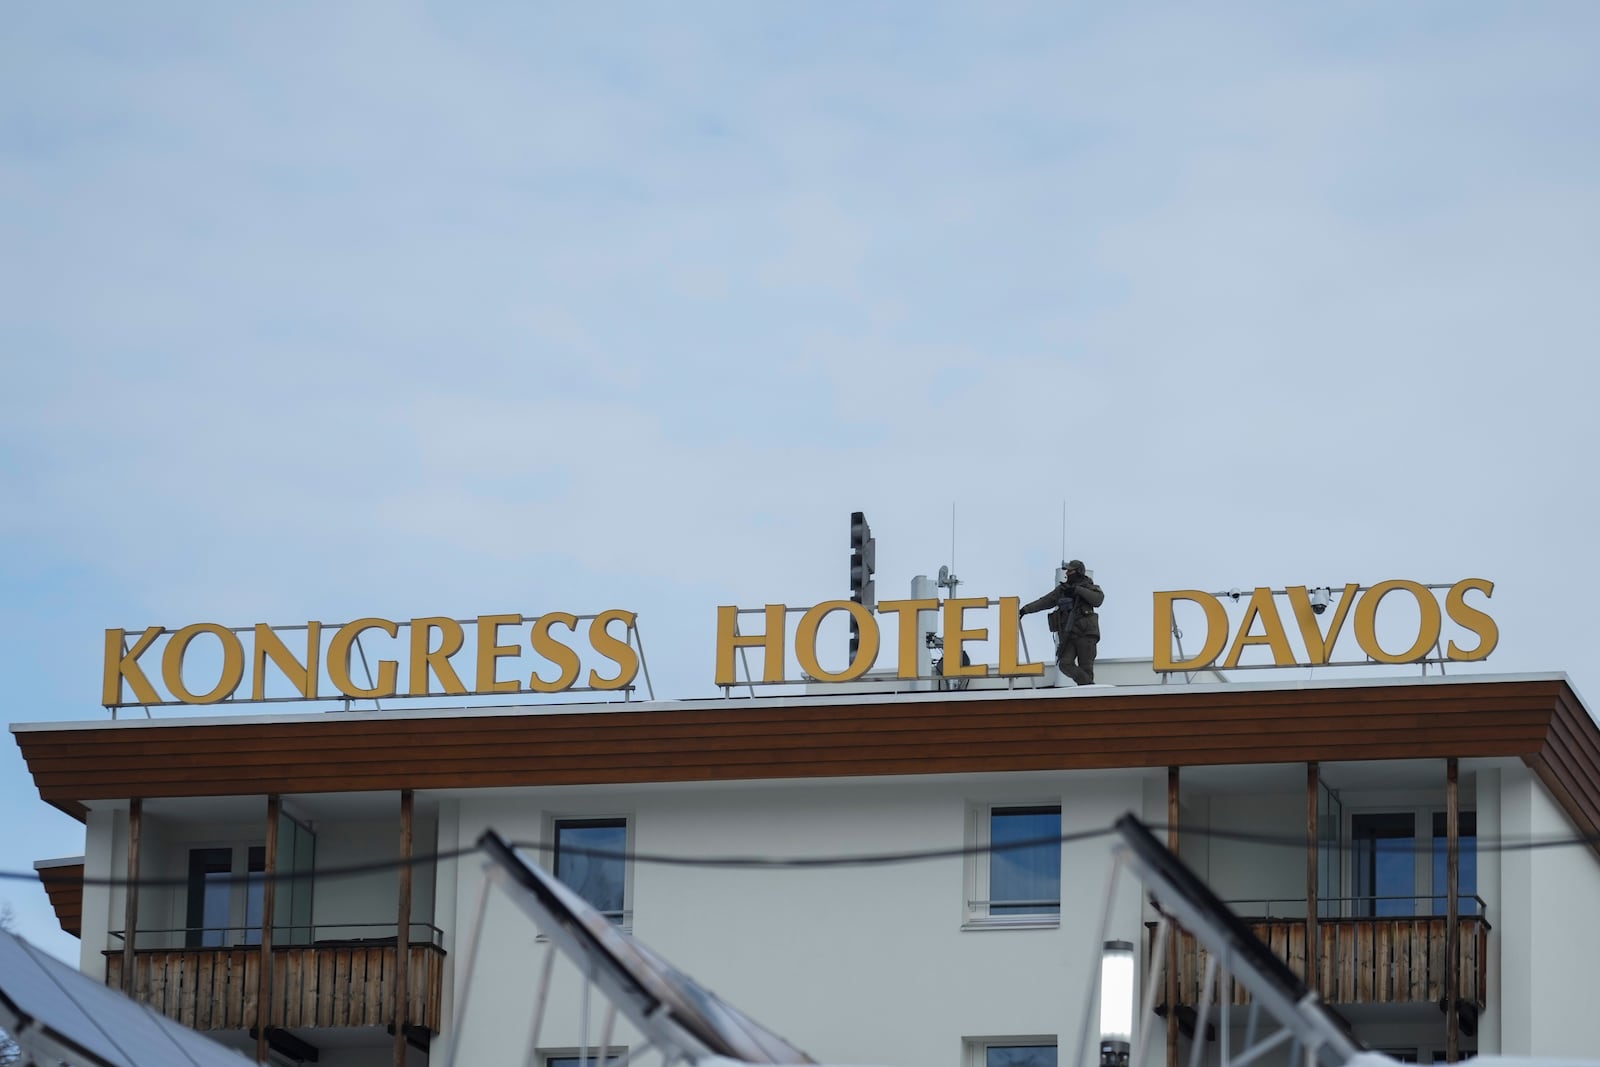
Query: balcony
x,y
328,983
1392,959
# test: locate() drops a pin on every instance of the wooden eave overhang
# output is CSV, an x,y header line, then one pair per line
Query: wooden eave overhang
x,y
63,884
1538,719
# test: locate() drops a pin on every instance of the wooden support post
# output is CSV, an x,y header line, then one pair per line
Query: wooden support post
x,y
402,939
1452,921
1172,939
1313,843
269,900
130,902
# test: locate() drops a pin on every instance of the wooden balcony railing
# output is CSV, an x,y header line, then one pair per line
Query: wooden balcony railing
x,y
321,985
1385,960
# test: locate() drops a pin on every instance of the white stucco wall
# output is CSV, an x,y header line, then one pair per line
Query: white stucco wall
x,y
102,832
1270,868
1549,929
871,965
863,965
347,905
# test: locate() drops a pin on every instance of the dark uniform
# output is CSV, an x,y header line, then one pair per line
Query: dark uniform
x,y
1073,621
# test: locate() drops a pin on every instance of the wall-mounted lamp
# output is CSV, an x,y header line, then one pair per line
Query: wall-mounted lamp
x,y
1116,1003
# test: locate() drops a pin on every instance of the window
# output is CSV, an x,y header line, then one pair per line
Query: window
x,y
576,1058
1010,1052
591,858
1014,866
210,889
1424,1055
255,894
1020,1056
297,864
1385,871
1467,865
1400,861
1330,852
225,896
1025,861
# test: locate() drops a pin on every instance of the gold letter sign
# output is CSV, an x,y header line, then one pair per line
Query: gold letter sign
x,y
1262,626
362,660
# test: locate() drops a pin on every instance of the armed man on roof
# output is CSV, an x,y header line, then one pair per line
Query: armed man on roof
x,y
1073,620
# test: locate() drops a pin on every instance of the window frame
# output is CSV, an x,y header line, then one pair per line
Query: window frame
x,y
977,905
1367,864
615,1053
1414,1054
239,890
555,822
1426,896
975,1050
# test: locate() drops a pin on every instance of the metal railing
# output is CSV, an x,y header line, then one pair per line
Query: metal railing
x,y
283,935
1356,907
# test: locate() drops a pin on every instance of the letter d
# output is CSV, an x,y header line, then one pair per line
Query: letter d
x,y
1216,630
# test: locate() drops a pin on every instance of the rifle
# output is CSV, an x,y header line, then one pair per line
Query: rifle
x,y
1061,625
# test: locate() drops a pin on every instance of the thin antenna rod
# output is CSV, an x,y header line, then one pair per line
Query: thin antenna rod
x,y
952,537
1063,527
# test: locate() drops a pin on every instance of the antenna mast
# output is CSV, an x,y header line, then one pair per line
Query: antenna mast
x,y
947,574
952,535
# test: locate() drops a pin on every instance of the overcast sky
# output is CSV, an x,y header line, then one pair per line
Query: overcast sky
x,y
322,311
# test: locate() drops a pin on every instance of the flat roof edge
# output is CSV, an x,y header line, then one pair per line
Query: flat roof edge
x,y
799,700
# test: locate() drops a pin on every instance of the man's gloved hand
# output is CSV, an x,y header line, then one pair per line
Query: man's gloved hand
x,y
1021,611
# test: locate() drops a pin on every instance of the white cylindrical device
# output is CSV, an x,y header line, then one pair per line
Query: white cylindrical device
x,y
1116,1003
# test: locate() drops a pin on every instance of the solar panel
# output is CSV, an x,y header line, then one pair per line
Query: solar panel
x,y
664,1003
59,1015
1274,988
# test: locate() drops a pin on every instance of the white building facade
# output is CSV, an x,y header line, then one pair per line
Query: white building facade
x,y
1333,795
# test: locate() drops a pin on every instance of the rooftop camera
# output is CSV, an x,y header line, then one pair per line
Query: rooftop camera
x,y
1319,600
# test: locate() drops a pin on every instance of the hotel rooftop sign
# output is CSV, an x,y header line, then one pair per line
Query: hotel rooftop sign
x,y
1262,626
433,644
602,652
